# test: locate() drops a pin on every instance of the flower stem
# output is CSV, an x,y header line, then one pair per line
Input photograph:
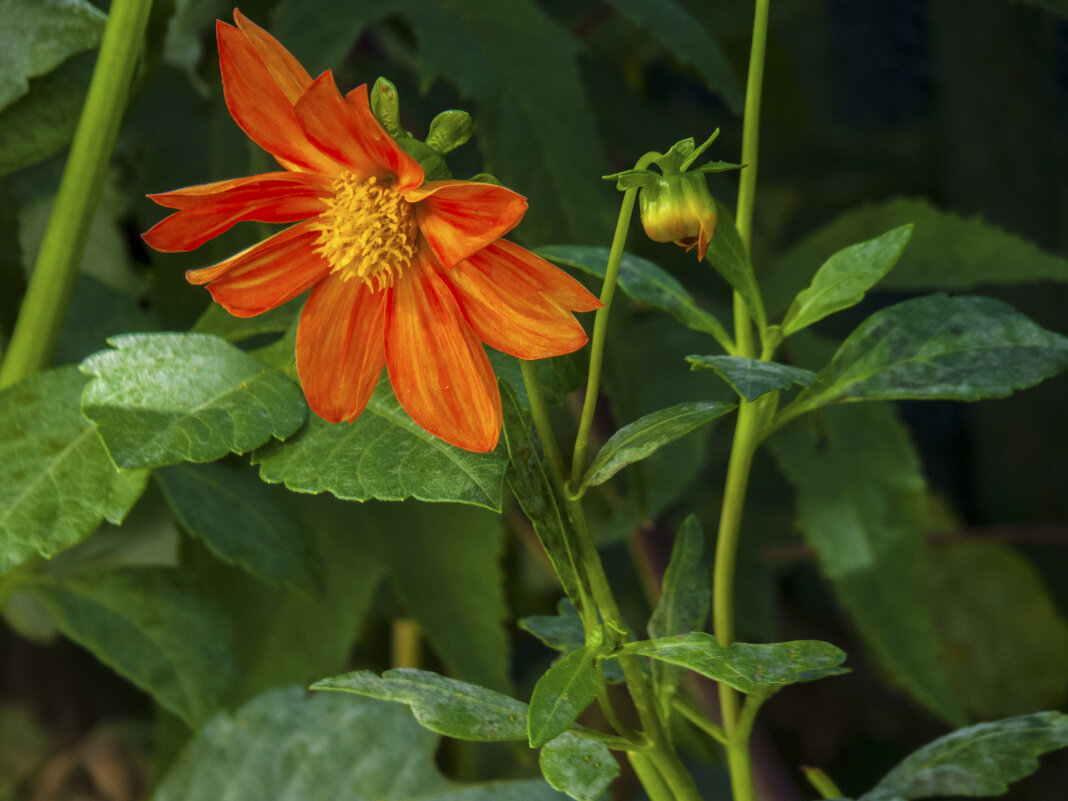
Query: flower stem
x,y
45,305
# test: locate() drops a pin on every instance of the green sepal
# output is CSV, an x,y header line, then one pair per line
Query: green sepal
x,y
719,166
632,179
449,130
385,105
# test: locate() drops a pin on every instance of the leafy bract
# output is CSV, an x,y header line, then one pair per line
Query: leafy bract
x,y
446,706
844,278
576,765
56,482
648,434
383,454
728,255
561,694
160,399
977,761
751,378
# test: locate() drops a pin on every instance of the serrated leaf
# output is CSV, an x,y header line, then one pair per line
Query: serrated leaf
x,y
562,631
240,519
149,627
383,454
844,278
642,281
728,255
959,348
446,706
563,691
576,765
752,378
977,761
746,667
56,481
160,399
646,435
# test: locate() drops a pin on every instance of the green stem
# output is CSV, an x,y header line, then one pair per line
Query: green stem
x,y
700,721
651,780
823,783
45,305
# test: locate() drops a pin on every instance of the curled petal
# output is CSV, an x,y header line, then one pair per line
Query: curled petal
x,y
208,210
459,218
340,349
437,366
287,72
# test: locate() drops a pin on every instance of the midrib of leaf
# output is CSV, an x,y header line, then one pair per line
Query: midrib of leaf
x,y
817,296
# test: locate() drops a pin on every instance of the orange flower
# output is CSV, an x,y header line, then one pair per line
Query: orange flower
x,y
406,274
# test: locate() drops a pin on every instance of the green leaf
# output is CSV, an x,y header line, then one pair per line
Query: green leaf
x,y
559,375
977,761
40,36
383,454
728,255
844,278
218,321
287,746
1059,7
642,281
960,348
145,624
56,481
860,497
97,311
752,378
446,706
159,399
562,631
688,41
576,765
744,666
240,519
560,695
637,440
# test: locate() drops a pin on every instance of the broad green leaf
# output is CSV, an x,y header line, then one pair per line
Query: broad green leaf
x,y
383,454
443,705
562,631
287,746
531,487
637,440
977,761
242,521
728,255
960,348
150,628
160,399
576,765
56,482
844,278
752,378
41,35
746,667
560,695
860,497
216,320
687,40
642,281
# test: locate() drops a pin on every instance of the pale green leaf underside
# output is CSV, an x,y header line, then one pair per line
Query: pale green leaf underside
x,y
576,765
752,378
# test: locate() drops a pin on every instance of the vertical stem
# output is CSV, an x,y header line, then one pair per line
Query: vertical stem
x,y
45,305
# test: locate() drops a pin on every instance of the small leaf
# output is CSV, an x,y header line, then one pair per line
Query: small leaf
x,y
576,765
844,278
752,378
648,434
560,695
446,706
160,399
562,631
728,255
383,454
977,761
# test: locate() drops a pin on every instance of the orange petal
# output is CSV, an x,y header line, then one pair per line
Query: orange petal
x,y
287,72
511,306
459,218
437,366
265,275
208,210
340,349
349,133
260,105
551,281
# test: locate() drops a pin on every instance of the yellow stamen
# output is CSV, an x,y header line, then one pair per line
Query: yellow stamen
x,y
367,231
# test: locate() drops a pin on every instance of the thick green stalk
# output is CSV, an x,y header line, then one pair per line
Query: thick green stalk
x,y
45,305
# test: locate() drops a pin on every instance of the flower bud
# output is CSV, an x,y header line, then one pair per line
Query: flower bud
x,y
678,208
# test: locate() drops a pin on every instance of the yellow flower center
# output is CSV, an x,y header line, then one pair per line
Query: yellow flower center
x,y
368,231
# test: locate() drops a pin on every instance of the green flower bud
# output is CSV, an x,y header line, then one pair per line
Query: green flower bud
x,y
385,105
449,130
678,208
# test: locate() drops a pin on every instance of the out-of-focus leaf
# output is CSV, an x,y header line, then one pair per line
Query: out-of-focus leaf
x,y
56,482
576,765
443,705
1059,7
145,624
559,376
560,695
384,454
24,744
160,399
322,40
752,378
860,494
977,761
216,320
96,312
12,277
728,255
